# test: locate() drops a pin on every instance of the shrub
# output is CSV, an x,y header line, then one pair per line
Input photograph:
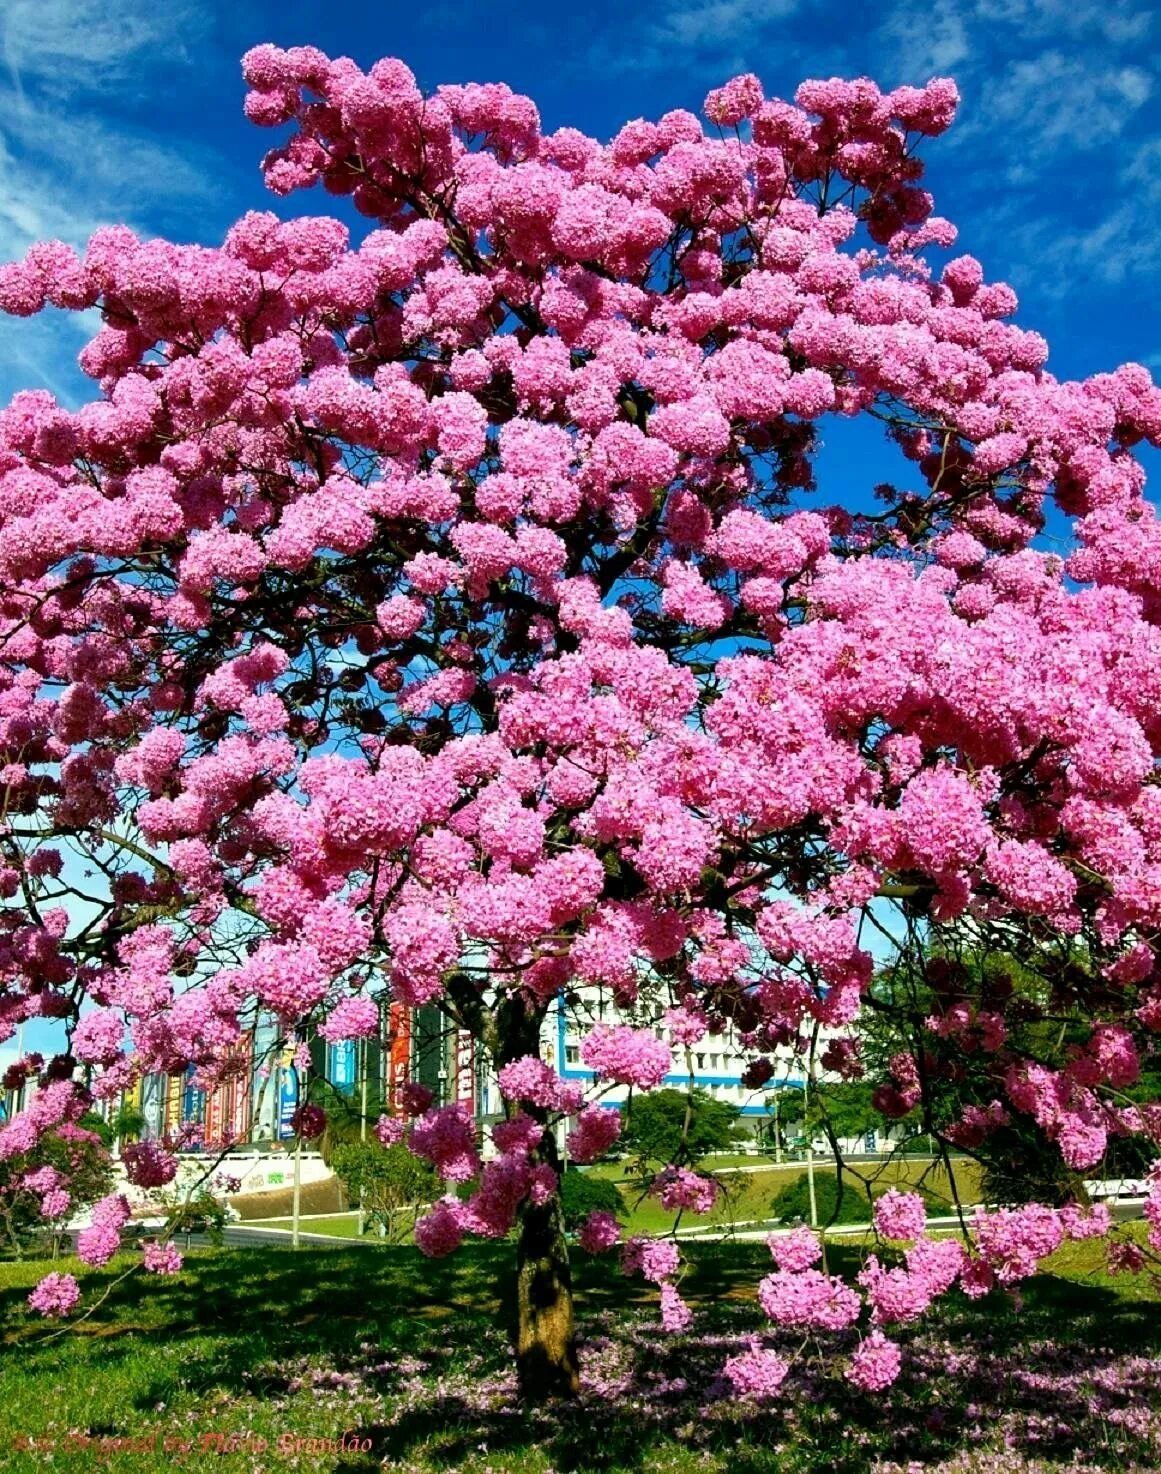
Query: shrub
x,y
792,1203
390,1180
582,1194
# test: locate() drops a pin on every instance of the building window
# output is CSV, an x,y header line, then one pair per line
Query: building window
x,y
571,1054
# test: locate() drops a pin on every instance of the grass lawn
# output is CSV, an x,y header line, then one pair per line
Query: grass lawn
x,y
274,1349
749,1196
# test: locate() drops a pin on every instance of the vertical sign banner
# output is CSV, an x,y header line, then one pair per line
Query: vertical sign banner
x,y
213,1131
174,1091
152,1102
193,1100
399,1057
465,1088
287,1095
341,1066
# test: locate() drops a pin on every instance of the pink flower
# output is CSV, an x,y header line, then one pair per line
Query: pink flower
x,y
756,1373
809,1299
441,1232
147,1165
655,1259
597,1128
901,1216
675,1313
309,1122
875,1365
796,1250
390,1130
530,1079
599,1231
161,1258
678,1187
56,1294
628,1056
447,1138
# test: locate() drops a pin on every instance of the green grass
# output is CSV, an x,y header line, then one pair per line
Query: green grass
x,y
334,1225
749,1196
271,1346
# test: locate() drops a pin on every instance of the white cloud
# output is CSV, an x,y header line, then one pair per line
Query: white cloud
x,y
711,25
75,47
73,74
1057,101
722,36
920,41
1057,254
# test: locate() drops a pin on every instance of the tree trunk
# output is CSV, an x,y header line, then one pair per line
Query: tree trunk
x,y
546,1357
544,1330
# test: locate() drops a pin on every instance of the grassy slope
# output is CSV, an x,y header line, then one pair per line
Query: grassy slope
x,y
748,1196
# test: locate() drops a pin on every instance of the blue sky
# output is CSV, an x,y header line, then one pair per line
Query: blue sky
x,y
131,110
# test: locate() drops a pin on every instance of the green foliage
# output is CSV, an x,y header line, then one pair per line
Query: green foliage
x,y
240,1342
126,1125
199,1213
581,1194
842,1108
678,1126
82,1159
389,1179
792,1203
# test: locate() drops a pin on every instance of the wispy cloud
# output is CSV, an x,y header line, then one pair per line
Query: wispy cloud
x,y
82,89
1111,238
78,47
1056,101
721,35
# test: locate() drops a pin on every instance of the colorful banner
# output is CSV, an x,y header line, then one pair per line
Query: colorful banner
x,y
342,1066
465,1076
287,1095
399,1053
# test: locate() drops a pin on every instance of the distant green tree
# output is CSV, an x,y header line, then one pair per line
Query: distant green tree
x,y
678,1126
126,1125
79,1155
392,1182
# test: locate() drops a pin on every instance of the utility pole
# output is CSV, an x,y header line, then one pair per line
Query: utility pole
x,y
297,1191
362,1126
810,1145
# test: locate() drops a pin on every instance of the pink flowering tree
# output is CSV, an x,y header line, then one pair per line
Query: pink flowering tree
x,y
446,606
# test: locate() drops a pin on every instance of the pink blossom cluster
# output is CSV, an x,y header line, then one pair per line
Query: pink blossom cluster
x,y
756,1373
626,1055
679,1188
97,1244
56,1294
808,1299
900,1215
531,1080
597,1128
599,1232
161,1258
876,1363
446,1137
147,1164
654,1259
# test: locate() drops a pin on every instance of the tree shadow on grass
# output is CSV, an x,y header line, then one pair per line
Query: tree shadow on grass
x,y
428,1342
